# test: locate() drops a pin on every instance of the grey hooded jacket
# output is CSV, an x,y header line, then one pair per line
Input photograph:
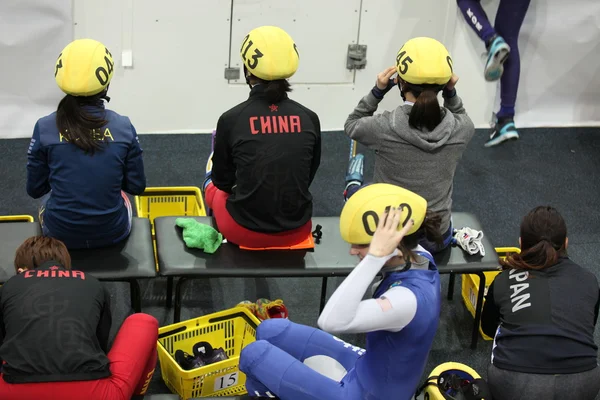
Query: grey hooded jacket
x,y
420,161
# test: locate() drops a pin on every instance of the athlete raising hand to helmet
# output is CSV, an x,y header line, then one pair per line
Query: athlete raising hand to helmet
x,y
383,224
266,151
418,145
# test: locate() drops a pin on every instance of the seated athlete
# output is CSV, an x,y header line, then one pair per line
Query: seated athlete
x,y
400,319
541,311
266,152
83,158
54,332
419,144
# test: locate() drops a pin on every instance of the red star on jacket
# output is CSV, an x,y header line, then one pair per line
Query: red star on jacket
x,y
53,268
273,107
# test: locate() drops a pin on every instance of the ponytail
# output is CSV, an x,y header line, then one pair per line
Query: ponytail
x,y
543,240
276,90
426,111
540,256
76,125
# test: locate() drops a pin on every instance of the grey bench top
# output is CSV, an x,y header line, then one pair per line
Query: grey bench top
x,y
330,257
131,259
12,234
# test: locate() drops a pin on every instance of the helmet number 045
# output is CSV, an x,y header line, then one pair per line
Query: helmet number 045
x,y
372,215
399,61
257,54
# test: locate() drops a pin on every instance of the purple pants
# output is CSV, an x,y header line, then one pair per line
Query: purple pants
x,y
509,20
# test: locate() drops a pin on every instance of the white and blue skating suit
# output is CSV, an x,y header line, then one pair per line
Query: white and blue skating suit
x,y
296,362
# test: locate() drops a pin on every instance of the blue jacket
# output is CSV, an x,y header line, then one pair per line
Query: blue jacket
x,y
85,198
395,361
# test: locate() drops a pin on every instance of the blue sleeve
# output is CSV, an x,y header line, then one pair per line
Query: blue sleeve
x,y
38,172
223,170
134,178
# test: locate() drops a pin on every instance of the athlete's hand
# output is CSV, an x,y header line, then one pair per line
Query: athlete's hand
x,y
387,236
452,82
384,78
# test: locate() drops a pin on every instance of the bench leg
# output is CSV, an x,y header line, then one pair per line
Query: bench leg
x,y
323,294
178,298
169,292
136,295
451,286
478,309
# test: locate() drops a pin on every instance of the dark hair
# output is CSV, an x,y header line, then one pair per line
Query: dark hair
x,y
37,250
77,126
276,90
426,111
543,240
430,229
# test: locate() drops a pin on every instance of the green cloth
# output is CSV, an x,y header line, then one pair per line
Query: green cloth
x,y
199,236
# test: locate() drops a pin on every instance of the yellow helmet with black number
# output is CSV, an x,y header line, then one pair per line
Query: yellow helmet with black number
x,y
424,60
360,215
84,68
454,381
269,53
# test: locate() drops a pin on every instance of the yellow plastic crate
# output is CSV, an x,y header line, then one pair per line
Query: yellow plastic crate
x,y
470,284
16,218
231,329
170,202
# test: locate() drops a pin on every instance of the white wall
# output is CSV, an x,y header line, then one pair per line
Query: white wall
x,y
181,47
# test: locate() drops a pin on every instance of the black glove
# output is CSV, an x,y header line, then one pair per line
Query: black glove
x,y
378,93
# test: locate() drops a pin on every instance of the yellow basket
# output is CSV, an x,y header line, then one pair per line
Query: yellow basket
x,y
16,218
231,329
470,284
170,202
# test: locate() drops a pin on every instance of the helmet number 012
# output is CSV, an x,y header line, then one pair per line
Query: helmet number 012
x,y
372,215
257,53
103,73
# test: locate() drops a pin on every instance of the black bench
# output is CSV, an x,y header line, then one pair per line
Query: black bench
x,y
127,261
330,258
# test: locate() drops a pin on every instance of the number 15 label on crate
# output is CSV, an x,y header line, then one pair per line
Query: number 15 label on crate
x,y
225,381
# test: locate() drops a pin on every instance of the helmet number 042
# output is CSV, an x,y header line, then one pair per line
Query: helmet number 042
x,y
103,73
367,215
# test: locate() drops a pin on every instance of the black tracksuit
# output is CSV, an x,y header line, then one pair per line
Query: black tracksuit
x,y
543,320
54,326
266,156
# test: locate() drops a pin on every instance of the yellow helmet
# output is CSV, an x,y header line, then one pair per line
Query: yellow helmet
x,y
452,380
84,68
424,60
360,214
269,53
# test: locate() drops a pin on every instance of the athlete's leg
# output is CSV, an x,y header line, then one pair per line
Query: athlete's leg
x,y
235,233
354,176
476,18
272,372
509,20
302,342
133,354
